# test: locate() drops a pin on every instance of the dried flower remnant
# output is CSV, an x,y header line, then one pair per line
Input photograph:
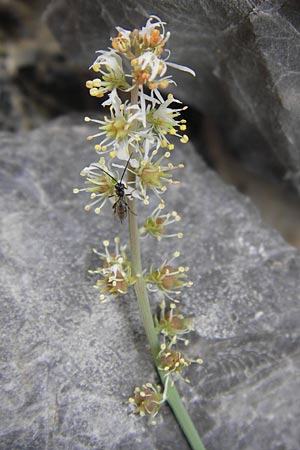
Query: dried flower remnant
x,y
172,324
172,362
147,400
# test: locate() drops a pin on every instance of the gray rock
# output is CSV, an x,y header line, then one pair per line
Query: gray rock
x,y
68,362
245,54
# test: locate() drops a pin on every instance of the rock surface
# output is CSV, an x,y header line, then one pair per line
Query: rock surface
x,y
68,363
245,53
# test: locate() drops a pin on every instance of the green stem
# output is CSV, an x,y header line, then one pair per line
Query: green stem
x,y
173,397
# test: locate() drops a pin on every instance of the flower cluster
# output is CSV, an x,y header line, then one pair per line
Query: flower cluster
x,y
115,272
156,223
137,129
134,141
172,324
168,279
147,401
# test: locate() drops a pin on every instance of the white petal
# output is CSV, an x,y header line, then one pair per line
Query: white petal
x,y
183,68
134,163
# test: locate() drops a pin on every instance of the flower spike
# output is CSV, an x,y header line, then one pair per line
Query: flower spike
x,y
135,139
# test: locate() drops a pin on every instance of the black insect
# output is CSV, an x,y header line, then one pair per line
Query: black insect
x,y
120,206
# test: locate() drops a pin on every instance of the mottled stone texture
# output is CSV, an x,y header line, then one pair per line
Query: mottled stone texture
x,y
245,53
68,363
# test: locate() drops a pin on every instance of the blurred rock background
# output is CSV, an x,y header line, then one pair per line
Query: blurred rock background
x,y
37,81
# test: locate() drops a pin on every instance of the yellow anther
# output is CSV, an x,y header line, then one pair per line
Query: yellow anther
x,y
182,127
112,154
87,119
180,235
171,146
94,92
97,147
87,208
164,84
152,86
96,82
97,210
96,67
89,138
170,96
184,139
106,243
75,191
89,84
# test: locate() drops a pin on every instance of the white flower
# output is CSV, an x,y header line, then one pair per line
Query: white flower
x,y
162,120
154,175
100,181
113,76
152,35
115,273
121,130
156,223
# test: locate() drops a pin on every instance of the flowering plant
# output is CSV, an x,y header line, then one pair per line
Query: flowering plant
x,y
135,140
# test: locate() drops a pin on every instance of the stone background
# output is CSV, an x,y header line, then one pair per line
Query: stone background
x,y
68,363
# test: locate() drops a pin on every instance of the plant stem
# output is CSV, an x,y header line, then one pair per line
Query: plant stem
x,y
173,397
